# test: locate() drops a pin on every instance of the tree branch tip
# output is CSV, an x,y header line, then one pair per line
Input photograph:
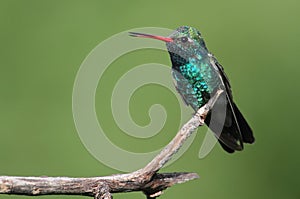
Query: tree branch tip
x,y
179,175
203,110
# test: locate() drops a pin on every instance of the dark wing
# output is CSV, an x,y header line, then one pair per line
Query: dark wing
x,y
223,75
235,130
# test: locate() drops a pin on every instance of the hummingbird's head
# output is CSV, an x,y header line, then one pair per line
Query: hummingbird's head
x,y
184,42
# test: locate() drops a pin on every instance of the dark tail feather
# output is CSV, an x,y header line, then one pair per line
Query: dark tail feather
x,y
246,131
226,148
234,130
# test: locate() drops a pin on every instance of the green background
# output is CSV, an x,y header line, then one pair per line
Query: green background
x,y
43,43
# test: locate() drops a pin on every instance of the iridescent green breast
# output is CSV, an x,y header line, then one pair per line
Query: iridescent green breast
x,y
196,80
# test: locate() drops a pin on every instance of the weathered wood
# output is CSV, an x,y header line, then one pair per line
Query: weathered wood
x,y
146,179
89,186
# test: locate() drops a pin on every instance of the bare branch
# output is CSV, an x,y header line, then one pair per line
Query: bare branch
x,y
103,192
146,179
100,187
197,120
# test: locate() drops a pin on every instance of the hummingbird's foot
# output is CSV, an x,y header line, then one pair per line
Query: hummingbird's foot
x,y
203,110
201,114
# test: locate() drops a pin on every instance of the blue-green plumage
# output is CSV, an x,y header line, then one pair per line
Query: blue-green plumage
x,y
195,80
197,76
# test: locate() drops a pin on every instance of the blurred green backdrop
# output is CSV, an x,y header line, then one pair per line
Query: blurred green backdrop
x,y
43,44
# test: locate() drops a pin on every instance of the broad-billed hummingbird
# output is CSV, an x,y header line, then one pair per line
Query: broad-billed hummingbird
x,y
197,77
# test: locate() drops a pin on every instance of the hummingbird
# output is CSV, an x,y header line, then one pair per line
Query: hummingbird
x,y
197,76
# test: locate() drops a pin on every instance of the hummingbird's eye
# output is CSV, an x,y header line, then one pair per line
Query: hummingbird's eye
x,y
184,39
